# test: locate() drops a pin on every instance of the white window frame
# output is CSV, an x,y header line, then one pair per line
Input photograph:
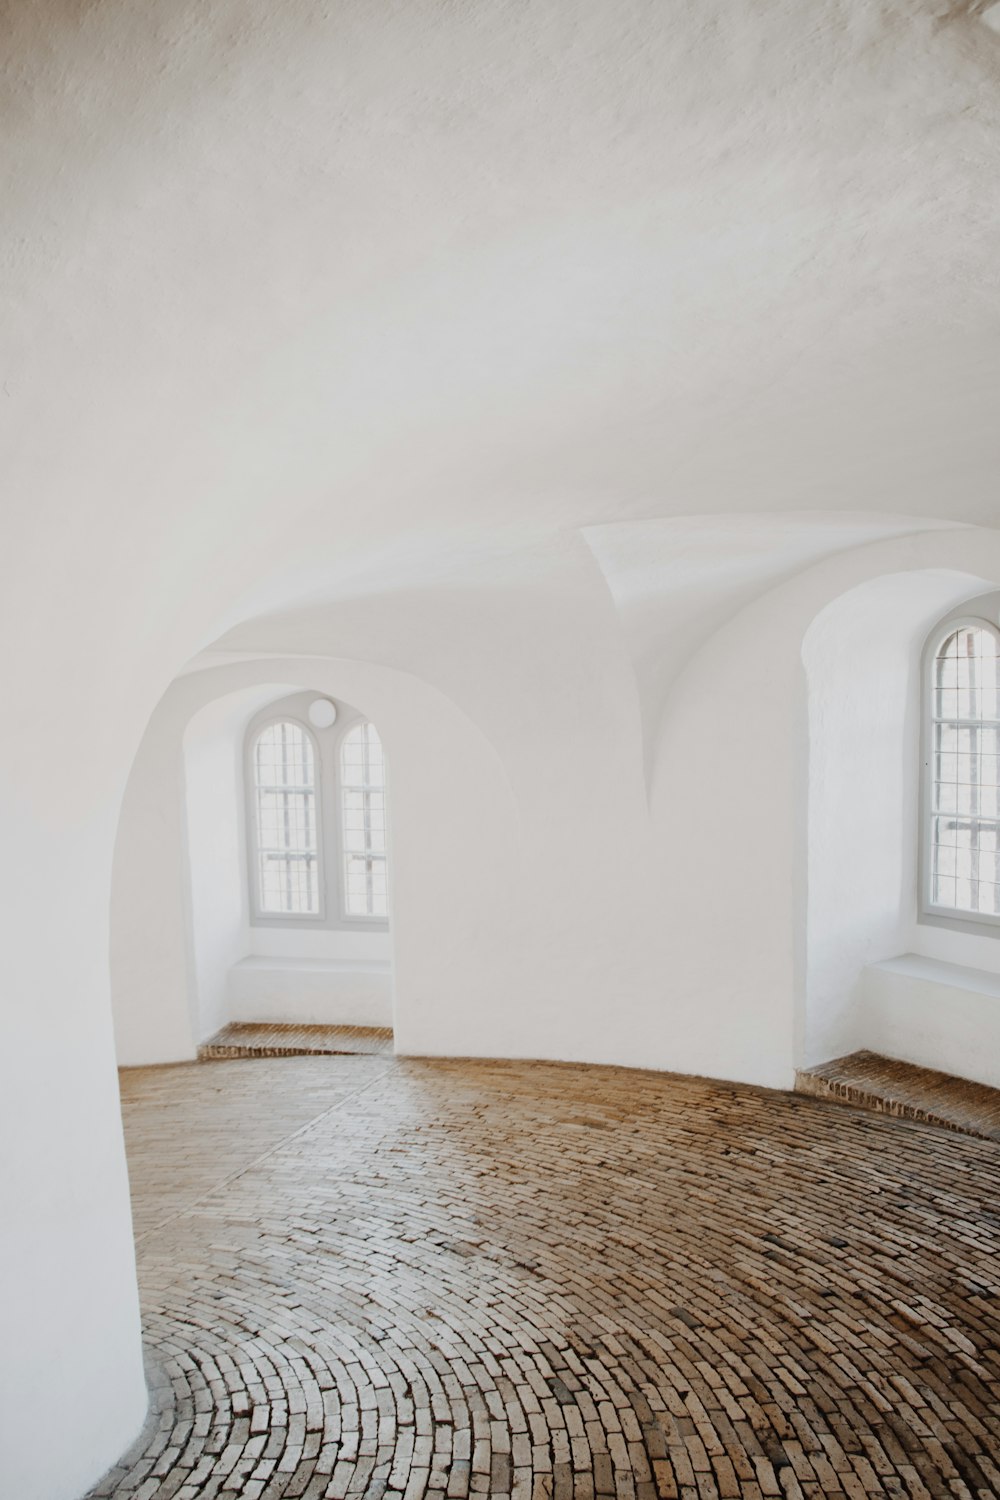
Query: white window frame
x,y
345,853
258,912
931,913
326,746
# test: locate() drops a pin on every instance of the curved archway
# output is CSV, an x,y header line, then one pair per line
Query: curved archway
x,y
454,857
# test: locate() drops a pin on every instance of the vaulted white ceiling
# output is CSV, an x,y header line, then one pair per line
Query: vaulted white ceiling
x,y
303,300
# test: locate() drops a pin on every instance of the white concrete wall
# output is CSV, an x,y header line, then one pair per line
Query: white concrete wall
x,y
862,657
333,944
217,857
948,946
355,992
326,977
72,1393
937,1015
167,960
726,807
151,950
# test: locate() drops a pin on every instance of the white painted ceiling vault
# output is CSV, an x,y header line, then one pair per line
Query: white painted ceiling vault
x,y
318,302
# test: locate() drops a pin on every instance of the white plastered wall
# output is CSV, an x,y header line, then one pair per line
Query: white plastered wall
x,y
171,946
215,872
69,1326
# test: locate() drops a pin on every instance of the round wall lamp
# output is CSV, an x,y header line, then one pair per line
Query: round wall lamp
x,y
322,713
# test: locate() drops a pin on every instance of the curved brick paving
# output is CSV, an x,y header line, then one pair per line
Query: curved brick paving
x,y
396,1278
283,1039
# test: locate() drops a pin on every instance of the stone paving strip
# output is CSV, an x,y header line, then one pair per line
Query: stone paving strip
x,y
278,1039
867,1080
371,1277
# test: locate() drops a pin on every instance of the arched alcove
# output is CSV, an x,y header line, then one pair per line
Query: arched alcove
x,y
323,967
862,656
760,783
180,918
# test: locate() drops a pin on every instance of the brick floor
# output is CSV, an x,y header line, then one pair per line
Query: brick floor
x,y
370,1277
868,1081
275,1039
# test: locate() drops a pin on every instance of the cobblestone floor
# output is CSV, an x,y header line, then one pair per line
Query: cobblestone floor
x,y
371,1277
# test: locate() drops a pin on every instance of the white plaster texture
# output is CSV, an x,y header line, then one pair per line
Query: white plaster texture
x,y
311,992
934,1014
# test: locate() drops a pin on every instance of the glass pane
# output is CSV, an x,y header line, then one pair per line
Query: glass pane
x,y
288,884
363,818
376,822
367,893
284,756
354,820
357,886
353,757
988,897
379,896
287,837
286,820
966,771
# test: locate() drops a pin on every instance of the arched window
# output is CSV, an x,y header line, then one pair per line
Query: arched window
x,y
287,843
362,776
316,817
963,876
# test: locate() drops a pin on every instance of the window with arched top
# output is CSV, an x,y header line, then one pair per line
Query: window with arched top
x,y
963,812
362,775
315,779
285,796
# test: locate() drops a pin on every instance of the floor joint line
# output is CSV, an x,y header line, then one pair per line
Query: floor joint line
x,y
249,1166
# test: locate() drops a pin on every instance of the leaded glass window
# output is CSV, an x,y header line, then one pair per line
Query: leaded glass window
x,y
287,839
362,775
965,771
